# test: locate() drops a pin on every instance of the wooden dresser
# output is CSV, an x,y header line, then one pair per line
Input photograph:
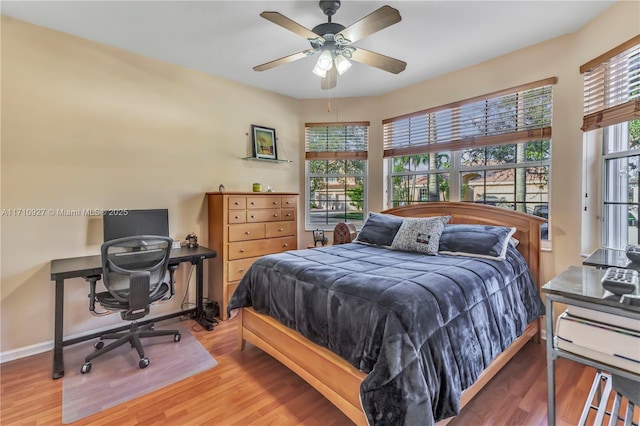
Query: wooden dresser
x,y
244,226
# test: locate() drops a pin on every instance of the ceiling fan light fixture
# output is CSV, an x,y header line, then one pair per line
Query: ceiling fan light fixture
x,y
325,61
319,72
342,64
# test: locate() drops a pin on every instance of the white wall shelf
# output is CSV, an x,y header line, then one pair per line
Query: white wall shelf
x,y
267,159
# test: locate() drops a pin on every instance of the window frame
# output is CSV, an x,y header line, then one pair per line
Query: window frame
x,y
526,114
611,101
608,237
360,154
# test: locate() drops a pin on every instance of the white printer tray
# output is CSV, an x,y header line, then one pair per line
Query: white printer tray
x,y
599,341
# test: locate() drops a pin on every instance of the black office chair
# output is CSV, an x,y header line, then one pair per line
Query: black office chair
x,y
134,270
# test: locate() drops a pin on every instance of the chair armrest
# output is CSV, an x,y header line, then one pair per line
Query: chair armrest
x,y
92,280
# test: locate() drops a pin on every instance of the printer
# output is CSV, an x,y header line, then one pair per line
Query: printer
x,y
607,338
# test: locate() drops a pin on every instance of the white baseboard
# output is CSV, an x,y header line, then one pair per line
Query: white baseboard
x,y
39,348
25,351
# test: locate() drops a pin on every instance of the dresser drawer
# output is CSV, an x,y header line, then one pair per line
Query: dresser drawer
x,y
280,229
246,249
288,214
266,215
237,268
244,232
237,216
237,203
263,202
289,202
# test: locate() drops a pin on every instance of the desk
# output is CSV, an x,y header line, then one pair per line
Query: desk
x,y
579,286
81,267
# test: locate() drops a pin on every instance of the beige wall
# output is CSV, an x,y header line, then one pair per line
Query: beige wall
x,y
89,126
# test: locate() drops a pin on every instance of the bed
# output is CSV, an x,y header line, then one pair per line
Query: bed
x,y
387,363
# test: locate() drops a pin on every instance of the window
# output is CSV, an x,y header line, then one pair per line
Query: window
x,y
494,149
612,105
621,149
336,166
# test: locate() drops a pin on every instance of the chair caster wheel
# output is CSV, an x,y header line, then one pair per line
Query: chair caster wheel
x,y
99,344
144,363
86,367
177,337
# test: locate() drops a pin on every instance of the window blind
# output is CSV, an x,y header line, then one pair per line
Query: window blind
x,y
518,114
612,86
336,140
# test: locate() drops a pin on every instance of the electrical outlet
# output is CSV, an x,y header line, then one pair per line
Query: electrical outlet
x,y
175,245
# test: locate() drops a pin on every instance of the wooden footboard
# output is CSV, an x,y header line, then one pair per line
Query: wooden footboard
x,y
331,375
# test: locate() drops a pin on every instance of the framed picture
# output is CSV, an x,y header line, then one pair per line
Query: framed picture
x,y
264,142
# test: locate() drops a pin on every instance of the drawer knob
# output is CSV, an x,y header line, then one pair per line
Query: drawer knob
x,y
281,229
253,217
241,270
288,214
237,217
285,245
241,250
252,203
275,215
237,203
247,232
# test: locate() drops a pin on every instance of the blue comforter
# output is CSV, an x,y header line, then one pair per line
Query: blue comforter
x,y
422,327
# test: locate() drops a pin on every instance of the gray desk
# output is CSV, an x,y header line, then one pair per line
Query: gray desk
x,y
580,286
81,267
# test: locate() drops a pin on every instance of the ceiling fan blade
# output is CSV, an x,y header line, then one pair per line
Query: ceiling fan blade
x,y
279,19
379,61
331,79
284,60
375,21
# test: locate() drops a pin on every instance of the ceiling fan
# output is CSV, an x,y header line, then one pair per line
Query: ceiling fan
x,y
333,42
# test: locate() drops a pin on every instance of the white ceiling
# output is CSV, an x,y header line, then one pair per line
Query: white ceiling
x,y
229,38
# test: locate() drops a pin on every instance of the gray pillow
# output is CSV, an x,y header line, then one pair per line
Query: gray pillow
x,y
379,229
420,235
485,241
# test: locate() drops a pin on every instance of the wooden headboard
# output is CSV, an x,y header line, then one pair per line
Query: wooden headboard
x,y
527,226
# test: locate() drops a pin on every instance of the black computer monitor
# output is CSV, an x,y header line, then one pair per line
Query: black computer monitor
x,y
126,223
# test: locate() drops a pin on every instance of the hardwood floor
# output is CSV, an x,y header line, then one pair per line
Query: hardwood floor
x,y
251,388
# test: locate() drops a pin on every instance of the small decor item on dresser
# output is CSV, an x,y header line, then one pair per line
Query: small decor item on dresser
x,y
270,188
257,187
318,237
221,188
192,240
264,142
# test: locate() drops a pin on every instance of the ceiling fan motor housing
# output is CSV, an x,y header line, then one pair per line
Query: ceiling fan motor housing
x,y
328,28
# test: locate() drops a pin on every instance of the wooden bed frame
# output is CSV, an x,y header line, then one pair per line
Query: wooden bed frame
x,y
338,380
